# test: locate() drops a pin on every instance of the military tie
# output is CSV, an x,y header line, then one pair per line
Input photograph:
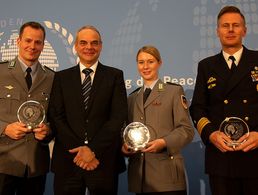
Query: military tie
x,y
146,94
28,78
233,65
86,86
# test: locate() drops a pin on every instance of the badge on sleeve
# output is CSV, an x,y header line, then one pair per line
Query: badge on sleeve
x,y
184,101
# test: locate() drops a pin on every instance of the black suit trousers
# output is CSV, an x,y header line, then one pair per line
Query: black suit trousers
x,y
77,182
12,185
235,186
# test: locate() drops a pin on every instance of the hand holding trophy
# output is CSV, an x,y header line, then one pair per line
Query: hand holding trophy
x,y
31,113
136,136
234,128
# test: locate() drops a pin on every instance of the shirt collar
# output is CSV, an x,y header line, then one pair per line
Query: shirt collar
x,y
24,66
151,86
236,55
93,67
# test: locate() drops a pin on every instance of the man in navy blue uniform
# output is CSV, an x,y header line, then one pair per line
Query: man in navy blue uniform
x,y
227,86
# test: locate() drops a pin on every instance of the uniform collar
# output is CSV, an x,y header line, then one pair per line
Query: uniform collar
x,y
151,86
24,66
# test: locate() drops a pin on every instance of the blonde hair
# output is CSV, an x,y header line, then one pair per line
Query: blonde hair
x,y
150,50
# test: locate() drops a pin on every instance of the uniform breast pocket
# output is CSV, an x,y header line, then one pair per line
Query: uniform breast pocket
x,y
9,101
43,99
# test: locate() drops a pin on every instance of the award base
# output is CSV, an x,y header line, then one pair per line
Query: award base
x,y
234,144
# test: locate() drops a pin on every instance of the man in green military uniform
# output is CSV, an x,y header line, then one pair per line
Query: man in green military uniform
x,y
24,158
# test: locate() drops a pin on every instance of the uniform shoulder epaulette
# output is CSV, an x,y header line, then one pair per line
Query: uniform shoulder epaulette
x,y
3,62
46,67
173,83
135,90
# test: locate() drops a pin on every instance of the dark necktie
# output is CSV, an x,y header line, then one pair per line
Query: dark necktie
x,y
233,65
86,86
28,77
146,94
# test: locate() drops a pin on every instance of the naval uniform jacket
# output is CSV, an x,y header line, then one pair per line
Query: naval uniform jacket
x,y
15,155
166,115
101,123
219,94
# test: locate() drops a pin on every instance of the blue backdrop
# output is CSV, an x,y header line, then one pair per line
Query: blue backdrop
x,y
184,32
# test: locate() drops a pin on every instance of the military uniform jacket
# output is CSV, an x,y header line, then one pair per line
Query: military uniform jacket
x,y
15,155
166,116
219,94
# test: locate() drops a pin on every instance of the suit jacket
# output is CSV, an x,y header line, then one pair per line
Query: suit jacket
x,y
103,121
219,94
15,155
166,116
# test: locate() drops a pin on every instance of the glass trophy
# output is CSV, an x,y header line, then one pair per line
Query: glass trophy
x,y
136,135
234,128
31,113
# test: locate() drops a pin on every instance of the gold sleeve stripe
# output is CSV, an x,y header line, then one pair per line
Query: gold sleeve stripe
x,y
202,123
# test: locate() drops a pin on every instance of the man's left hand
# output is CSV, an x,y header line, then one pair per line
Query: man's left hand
x,y
83,155
41,131
248,142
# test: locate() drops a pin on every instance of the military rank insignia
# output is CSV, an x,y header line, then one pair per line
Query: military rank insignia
x,y
184,101
254,74
11,64
161,87
202,123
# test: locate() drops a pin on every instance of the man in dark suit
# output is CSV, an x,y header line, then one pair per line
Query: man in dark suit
x,y
228,87
87,123
24,157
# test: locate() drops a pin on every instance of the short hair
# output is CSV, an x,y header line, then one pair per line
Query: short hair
x,y
230,9
34,25
150,49
91,28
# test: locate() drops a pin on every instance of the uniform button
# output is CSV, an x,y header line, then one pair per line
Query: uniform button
x,y
87,121
141,117
246,118
29,95
244,101
171,157
225,101
8,95
141,154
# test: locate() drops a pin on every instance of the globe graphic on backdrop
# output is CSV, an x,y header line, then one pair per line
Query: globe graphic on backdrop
x,y
9,51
